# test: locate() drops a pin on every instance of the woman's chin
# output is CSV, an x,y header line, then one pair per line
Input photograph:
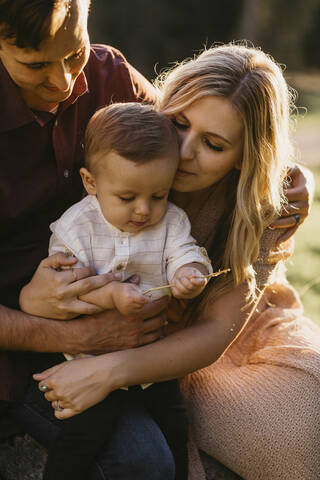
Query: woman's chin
x,y
181,186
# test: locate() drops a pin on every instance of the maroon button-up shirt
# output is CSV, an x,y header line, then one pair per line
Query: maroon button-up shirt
x,y
40,157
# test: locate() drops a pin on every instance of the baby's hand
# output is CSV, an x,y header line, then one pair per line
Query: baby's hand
x,y
188,282
128,299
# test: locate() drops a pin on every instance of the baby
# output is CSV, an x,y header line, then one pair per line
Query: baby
x,y
127,226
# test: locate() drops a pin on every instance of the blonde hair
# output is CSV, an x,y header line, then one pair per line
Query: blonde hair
x,y
255,86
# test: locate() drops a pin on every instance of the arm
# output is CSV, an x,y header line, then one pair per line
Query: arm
x,y
187,350
181,248
62,288
78,386
91,295
124,297
54,293
104,332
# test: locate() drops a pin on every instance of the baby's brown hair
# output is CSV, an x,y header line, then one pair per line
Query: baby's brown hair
x,y
135,131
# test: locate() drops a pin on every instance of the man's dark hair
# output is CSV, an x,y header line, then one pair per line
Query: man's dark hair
x,y
28,22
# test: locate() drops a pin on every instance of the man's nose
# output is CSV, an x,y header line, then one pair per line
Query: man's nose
x,y
60,77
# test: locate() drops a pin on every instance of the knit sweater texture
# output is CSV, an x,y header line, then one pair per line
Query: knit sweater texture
x,y
256,409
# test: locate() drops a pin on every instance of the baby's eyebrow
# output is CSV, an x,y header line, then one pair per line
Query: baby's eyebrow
x,y
123,192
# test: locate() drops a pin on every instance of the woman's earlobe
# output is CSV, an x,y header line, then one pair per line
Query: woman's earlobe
x,y
88,181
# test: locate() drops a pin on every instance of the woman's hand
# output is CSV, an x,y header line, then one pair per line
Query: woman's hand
x,y
75,386
299,195
53,293
79,384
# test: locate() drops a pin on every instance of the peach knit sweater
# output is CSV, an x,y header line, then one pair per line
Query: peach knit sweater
x,y
257,409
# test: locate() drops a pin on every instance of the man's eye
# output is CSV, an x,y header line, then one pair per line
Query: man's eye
x,y
76,55
178,124
36,66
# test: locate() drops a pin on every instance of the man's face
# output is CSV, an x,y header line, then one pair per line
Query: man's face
x,y
46,76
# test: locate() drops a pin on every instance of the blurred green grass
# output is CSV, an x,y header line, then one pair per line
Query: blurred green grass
x,y
304,266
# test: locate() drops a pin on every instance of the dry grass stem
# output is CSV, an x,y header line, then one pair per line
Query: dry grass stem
x,y
210,275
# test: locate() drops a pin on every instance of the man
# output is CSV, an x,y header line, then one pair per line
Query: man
x,y
51,82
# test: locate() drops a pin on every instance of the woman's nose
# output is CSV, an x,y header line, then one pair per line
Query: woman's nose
x,y
187,147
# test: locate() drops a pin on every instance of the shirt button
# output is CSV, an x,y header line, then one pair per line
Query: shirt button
x,y
66,173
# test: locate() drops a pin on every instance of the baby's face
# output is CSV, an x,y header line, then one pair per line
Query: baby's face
x,y
132,196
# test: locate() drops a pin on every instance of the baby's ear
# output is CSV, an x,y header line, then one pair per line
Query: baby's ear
x,y
88,181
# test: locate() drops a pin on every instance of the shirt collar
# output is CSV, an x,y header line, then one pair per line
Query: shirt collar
x,y
14,111
80,88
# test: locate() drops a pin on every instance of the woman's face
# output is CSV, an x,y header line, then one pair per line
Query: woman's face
x,y
211,143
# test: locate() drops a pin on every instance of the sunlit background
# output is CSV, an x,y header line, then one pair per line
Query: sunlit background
x,y
155,34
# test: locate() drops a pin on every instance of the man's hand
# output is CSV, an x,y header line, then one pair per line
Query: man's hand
x,y
188,282
99,333
53,293
110,331
299,194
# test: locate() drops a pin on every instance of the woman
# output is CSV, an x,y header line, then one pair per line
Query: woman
x,y
247,407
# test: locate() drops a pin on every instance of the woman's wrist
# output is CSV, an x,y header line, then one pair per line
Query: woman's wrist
x,y
115,365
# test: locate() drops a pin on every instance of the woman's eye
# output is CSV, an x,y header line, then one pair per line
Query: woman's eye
x,y
212,146
178,124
